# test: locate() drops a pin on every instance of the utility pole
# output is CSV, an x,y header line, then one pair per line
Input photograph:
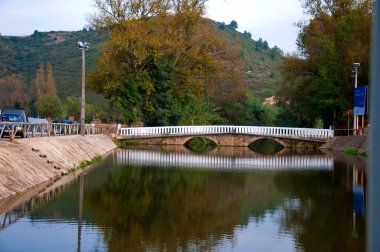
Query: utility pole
x,y
356,66
373,221
83,46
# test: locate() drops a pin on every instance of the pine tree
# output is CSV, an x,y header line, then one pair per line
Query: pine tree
x,y
51,88
39,82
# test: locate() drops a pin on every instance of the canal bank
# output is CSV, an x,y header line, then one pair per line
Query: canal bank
x,y
342,143
27,163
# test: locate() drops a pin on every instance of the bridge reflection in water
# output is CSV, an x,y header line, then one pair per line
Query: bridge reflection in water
x,y
191,160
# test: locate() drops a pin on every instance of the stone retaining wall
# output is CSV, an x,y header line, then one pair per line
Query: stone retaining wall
x,y
343,143
26,163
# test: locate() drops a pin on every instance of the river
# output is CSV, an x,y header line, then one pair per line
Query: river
x,y
172,199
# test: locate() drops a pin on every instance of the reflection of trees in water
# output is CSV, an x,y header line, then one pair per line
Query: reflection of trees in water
x,y
169,209
321,211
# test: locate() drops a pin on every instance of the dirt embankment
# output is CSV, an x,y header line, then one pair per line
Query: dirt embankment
x,y
343,143
30,162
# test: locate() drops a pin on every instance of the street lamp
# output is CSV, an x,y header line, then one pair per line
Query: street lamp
x,y
83,46
356,66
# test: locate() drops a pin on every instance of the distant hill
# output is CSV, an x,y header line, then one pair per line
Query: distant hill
x,y
23,56
260,62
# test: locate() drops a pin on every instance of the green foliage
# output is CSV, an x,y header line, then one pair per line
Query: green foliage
x,y
49,106
247,34
233,24
86,163
158,95
199,112
56,53
355,152
153,67
162,107
259,114
71,107
317,83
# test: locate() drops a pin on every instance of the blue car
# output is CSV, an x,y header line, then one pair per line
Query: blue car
x,y
12,116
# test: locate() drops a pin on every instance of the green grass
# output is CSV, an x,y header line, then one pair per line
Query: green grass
x,y
86,163
118,143
353,152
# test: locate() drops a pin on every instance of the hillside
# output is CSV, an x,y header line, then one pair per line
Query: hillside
x,y
23,55
260,62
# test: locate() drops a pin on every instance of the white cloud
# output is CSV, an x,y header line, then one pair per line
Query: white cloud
x,y
271,20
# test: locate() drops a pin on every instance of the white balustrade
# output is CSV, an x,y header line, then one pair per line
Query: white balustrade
x,y
308,133
186,160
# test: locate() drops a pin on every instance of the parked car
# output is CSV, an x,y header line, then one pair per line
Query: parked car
x,y
13,115
62,131
64,121
36,125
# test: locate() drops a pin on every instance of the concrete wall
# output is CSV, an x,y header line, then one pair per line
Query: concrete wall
x,y
344,142
22,168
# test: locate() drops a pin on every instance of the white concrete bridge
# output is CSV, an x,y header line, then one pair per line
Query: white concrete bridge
x,y
189,160
225,135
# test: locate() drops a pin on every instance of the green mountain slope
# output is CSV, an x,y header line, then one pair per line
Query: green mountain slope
x,y
260,62
23,56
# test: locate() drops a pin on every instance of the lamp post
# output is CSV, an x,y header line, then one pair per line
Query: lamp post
x,y
356,66
83,46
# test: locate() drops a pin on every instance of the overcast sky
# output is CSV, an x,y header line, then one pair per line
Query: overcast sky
x,y
271,20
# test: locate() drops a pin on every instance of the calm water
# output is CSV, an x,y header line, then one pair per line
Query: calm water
x,y
227,200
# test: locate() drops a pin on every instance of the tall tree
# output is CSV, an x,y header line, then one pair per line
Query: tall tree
x,y
12,92
44,81
49,106
39,81
317,81
51,87
158,49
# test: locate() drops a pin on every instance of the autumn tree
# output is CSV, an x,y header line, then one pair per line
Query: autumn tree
x,y
160,58
51,86
12,93
44,81
39,81
317,82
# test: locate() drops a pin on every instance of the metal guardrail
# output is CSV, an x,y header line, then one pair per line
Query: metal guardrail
x,y
12,129
249,130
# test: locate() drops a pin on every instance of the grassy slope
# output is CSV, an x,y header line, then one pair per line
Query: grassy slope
x,y
23,55
260,71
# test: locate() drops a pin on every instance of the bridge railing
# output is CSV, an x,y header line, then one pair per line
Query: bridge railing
x,y
217,129
12,129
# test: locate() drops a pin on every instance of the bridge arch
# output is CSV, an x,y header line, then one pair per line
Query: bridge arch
x,y
213,140
200,144
280,141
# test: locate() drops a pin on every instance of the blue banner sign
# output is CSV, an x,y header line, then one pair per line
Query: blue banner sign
x,y
360,96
